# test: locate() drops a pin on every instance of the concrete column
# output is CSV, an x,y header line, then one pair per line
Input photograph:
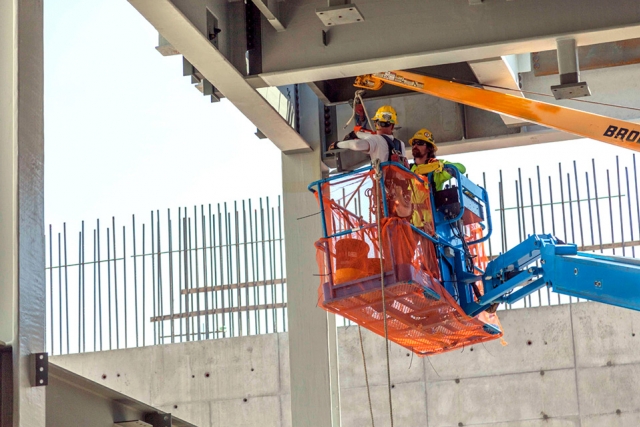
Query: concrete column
x,y
22,257
312,332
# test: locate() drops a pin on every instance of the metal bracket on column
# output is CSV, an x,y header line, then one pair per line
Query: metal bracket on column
x,y
189,70
165,48
202,84
40,366
157,419
570,85
271,11
209,89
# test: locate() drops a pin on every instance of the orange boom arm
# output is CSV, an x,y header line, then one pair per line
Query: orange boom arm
x,y
612,131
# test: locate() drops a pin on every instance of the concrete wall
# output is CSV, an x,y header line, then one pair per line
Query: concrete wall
x,y
563,366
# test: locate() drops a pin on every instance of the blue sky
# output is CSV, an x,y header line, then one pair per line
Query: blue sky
x,y
126,133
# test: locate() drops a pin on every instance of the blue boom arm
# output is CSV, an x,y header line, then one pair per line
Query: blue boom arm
x,y
602,278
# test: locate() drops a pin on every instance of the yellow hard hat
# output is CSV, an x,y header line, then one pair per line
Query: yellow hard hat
x,y
424,135
386,114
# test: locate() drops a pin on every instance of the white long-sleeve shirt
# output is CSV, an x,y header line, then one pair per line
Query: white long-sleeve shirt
x,y
374,145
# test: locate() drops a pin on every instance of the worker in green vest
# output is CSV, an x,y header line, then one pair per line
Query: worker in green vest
x,y
423,148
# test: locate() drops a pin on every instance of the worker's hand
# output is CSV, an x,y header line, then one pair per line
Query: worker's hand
x,y
351,135
333,146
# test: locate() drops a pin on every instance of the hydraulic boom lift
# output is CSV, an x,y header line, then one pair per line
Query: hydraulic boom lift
x,y
417,255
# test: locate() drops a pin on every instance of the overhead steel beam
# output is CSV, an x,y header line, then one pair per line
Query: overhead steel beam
x,y
184,36
505,141
271,11
74,400
592,57
542,136
453,32
614,91
496,73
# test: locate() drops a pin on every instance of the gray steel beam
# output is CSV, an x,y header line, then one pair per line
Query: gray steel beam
x,y
312,332
592,57
420,33
610,87
183,35
538,135
22,258
73,400
271,12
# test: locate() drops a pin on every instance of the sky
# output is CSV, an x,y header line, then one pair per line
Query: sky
x,y
126,133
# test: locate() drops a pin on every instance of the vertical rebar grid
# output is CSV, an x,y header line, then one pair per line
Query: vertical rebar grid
x,y
232,261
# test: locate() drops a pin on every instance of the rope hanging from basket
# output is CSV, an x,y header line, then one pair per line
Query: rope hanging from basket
x,y
378,179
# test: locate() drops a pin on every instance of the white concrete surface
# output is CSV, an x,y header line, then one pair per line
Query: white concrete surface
x,y
564,366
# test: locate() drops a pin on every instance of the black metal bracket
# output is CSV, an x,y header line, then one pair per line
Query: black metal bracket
x,y
157,419
40,366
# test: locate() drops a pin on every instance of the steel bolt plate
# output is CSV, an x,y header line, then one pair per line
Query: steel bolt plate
x,y
571,90
339,15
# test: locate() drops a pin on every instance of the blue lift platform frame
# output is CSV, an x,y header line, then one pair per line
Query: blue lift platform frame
x,y
540,260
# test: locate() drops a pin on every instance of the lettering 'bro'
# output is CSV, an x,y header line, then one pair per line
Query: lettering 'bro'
x,y
621,134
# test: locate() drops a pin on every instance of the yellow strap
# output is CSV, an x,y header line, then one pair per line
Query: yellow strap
x,y
428,168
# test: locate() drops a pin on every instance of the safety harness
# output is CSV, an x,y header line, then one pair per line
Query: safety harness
x,y
395,151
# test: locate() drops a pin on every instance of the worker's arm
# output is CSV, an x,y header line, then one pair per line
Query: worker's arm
x,y
355,144
440,177
458,166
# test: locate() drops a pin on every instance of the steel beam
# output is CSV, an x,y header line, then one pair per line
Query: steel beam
x,y
312,332
506,141
541,136
22,258
453,32
73,400
271,11
592,57
497,72
184,36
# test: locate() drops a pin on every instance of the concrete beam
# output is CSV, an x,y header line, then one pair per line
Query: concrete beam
x,y
454,32
22,257
184,36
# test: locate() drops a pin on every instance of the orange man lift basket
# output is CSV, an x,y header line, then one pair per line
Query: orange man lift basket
x,y
422,314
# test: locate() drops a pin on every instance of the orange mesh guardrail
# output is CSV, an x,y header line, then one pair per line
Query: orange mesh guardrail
x,y
421,314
